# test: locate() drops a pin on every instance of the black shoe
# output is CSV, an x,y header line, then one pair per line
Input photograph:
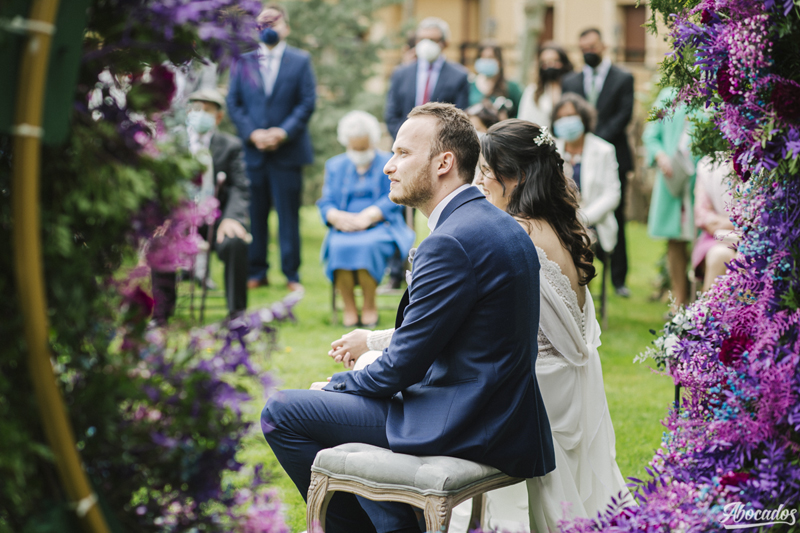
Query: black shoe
x,y
623,291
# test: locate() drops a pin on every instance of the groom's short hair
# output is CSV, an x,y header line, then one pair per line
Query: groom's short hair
x,y
454,133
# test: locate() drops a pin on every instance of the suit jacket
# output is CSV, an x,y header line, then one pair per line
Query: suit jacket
x,y
234,192
464,354
451,87
614,110
289,107
600,188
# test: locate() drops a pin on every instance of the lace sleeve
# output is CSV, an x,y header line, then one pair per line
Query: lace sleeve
x,y
379,339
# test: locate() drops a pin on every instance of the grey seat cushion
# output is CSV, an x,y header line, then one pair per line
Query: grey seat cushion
x,y
383,469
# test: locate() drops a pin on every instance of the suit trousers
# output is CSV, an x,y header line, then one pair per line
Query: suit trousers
x,y
281,187
619,257
233,253
299,423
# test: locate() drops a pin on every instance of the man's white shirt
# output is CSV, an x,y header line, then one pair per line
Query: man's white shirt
x,y
437,211
270,63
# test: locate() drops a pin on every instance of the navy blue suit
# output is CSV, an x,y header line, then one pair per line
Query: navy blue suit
x,y
458,378
452,87
275,177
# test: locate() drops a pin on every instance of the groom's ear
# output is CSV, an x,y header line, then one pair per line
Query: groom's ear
x,y
445,163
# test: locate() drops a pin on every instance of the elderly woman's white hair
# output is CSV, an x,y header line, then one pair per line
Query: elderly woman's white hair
x,y
358,124
436,22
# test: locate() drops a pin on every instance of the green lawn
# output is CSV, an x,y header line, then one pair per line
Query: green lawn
x,y
638,398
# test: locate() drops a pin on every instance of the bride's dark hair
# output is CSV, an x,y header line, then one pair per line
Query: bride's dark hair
x,y
543,192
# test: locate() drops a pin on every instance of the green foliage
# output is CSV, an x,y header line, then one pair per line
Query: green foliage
x,y
344,57
706,138
88,201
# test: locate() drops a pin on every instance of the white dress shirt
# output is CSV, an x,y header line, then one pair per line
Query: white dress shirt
x,y
423,67
595,77
270,63
437,211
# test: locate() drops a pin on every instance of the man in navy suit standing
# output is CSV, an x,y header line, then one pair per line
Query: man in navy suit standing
x,y
431,78
458,377
271,97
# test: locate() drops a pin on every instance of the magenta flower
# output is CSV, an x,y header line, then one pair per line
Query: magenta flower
x,y
724,84
730,353
786,99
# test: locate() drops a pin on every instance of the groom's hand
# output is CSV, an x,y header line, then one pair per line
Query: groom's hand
x,y
350,347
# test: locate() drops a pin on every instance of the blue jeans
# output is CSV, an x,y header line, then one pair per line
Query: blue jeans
x,y
299,423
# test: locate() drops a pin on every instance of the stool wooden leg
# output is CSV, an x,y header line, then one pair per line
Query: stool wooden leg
x,y
318,500
478,509
437,513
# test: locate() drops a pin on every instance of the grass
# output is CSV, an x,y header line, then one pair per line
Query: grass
x,y
638,398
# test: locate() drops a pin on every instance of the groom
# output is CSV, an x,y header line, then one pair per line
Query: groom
x,y
458,377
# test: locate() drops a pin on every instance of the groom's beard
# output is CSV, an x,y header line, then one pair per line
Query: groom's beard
x,y
416,191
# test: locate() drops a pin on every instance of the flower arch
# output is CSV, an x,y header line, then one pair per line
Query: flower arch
x,y
730,453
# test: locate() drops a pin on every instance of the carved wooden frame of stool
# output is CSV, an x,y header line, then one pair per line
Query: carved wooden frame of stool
x,y
437,508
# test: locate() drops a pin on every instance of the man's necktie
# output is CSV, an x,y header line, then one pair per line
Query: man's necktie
x,y
426,96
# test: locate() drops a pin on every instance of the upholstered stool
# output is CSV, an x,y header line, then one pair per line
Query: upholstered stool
x,y
435,484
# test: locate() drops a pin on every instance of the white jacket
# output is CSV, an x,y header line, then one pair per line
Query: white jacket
x,y
600,188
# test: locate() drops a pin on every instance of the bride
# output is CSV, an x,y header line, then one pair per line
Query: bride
x,y
522,173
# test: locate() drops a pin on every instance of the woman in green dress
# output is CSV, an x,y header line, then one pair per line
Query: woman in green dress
x,y
671,214
490,82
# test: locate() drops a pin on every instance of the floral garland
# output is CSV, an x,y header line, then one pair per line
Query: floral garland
x,y
730,455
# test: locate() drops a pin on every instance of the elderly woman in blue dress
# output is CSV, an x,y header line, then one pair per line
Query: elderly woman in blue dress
x,y
366,228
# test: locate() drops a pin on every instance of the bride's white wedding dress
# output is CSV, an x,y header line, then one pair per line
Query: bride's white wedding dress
x,y
571,382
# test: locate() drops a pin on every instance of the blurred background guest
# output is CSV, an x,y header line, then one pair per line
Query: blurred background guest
x,y
536,103
592,164
366,228
712,199
430,78
272,96
223,177
610,90
671,214
483,116
490,82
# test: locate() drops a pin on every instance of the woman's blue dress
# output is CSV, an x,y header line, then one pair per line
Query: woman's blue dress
x,y
346,190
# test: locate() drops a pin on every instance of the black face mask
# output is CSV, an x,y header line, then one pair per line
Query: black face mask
x,y
592,59
550,73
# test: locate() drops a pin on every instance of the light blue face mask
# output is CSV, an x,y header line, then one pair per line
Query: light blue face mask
x,y
487,66
200,121
568,128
